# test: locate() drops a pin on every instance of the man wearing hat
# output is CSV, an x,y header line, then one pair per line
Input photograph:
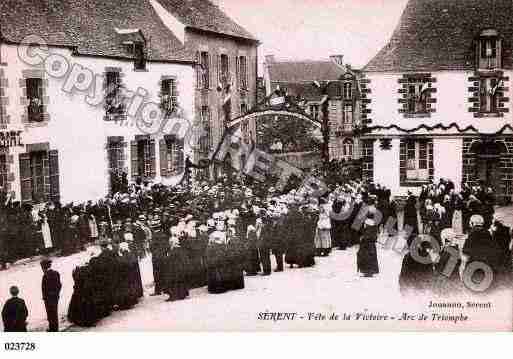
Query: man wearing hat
x,y
51,289
159,249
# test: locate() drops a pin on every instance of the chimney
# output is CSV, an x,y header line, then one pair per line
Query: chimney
x,y
338,60
269,59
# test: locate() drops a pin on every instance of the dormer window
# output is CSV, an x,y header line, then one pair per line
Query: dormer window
x,y
139,56
489,50
417,95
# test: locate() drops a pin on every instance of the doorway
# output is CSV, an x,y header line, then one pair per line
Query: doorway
x,y
488,164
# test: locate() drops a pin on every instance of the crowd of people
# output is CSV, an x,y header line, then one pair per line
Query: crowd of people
x,y
464,228
215,234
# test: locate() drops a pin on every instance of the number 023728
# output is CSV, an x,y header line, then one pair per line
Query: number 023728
x,y
20,347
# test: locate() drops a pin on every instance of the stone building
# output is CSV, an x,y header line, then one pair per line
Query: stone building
x,y
226,75
322,86
438,98
70,108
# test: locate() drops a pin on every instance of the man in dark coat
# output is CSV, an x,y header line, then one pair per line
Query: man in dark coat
x,y
278,243
265,243
51,288
15,313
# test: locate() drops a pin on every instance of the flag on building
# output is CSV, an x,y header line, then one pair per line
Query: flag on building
x,y
227,104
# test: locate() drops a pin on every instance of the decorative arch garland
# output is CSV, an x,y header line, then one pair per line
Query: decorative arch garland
x,y
438,126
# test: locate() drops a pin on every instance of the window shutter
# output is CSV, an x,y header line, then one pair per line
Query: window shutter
x,y
181,159
228,71
402,161
25,177
219,69
53,159
163,158
431,167
133,159
153,162
238,73
211,71
499,53
199,71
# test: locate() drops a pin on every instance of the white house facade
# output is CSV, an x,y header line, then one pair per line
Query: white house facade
x,y
69,117
437,99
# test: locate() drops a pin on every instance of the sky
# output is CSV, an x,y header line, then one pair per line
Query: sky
x,y
316,29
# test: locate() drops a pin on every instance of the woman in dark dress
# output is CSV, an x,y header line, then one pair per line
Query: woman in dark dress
x,y
252,259
411,223
292,224
307,240
236,251
176,273
216,258
367,256
415,275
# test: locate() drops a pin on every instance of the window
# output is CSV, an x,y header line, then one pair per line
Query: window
x,y
116,154
35,99
146,158
489,50
417,95
417,160
224,69
205,70
3,172
348,90
174,155
169,96
347,148
39,174
113,98
204,140
488,94
243,108
243,72
245,131
314,111
2,57
347,117
139,56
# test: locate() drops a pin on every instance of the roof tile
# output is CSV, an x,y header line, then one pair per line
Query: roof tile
x,y
439,35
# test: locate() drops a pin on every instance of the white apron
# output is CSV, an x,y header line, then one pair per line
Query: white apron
x,y
47,237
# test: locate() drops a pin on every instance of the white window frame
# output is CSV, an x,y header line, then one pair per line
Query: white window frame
x,y
485,88
314,110
347,116
417,168
348,90
205,69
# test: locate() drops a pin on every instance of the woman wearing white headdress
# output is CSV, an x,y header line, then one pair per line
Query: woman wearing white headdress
x,y
175,281
216,260
367,258
236,255
323,234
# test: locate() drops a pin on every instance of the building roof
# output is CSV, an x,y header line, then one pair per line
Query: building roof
x,y
92,27
439,35
304,71
204,15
